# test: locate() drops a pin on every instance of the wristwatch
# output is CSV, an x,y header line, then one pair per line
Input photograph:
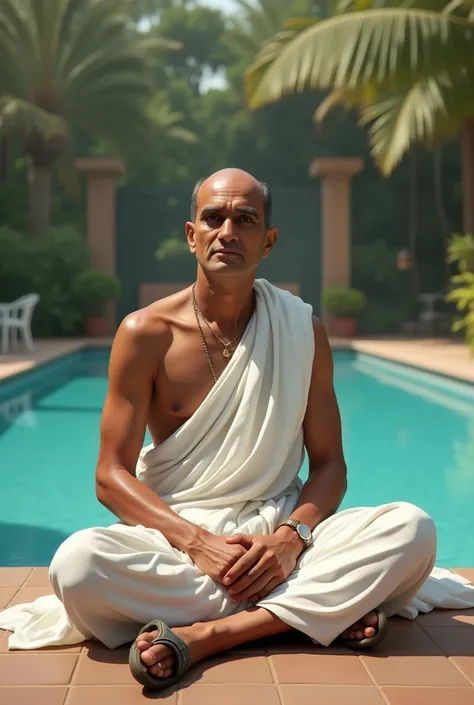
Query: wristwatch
x,y
303,530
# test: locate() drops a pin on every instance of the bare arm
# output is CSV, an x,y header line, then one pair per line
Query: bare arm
x,y
327,482
135,355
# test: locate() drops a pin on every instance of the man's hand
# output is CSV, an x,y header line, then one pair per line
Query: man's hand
x,y
267,562
215,556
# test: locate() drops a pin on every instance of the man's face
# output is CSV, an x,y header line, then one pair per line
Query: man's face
x,y
230,235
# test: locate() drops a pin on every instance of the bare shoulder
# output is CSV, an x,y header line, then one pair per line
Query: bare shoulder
x,y
147,332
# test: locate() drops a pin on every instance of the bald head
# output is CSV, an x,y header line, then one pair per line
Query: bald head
x,y
234,178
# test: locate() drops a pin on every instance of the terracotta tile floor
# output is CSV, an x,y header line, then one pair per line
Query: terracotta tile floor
x,y
427,662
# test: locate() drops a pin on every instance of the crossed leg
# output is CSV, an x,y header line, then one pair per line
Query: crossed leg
x,y
205,639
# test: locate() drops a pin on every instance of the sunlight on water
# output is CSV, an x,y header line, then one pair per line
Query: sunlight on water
x,y
407,436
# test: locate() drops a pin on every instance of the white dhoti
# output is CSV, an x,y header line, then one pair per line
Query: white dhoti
x,y
232,468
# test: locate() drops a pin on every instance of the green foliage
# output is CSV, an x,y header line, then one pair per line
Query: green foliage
x,y
461,251
171,248
200,30
73,62
384,317
404,66
46,266
94,289
344,302
70,65
375,269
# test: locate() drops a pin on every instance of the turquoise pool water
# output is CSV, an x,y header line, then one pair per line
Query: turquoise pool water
x,y
407,436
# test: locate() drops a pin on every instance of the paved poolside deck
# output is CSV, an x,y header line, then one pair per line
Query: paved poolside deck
x,y
444,356
426,662
21,360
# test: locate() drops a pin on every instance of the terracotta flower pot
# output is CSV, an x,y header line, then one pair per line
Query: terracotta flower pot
x,y
345,327
95,326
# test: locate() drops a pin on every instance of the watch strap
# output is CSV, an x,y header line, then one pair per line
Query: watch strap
x,y
294,524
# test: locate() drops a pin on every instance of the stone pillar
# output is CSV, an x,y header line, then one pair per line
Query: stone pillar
x,y
336,174
101,177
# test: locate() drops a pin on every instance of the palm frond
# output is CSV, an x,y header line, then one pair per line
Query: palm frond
x,y
270,52
385,47
100,22
20,114
153,45
346,97
432,109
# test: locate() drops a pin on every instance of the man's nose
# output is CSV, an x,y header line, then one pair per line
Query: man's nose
x,y
227,231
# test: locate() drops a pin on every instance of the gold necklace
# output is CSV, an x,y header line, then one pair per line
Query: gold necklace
x,y
225,346
203,340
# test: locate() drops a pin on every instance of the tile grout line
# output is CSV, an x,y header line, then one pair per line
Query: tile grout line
x,y
73,676
471,683
28,576
276,682
17,589
378,687
444,653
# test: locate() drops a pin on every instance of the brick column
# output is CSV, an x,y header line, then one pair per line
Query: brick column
x,y
336,175
101,175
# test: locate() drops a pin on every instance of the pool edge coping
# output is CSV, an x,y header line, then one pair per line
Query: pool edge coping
x,y
366,346
76,346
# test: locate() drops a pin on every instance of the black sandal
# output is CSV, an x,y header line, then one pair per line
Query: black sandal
x,y
168,638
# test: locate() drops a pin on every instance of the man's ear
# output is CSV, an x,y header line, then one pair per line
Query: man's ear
x,y
271,236
190,230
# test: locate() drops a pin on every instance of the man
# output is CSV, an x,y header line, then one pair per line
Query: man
x,y
234,378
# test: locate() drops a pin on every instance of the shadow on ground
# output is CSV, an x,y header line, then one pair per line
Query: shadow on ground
x,y
24,545
405,638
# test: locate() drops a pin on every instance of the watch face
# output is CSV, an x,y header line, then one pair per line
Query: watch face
x,y
304,531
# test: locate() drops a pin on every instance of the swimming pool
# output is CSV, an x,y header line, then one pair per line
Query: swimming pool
x,y
408,436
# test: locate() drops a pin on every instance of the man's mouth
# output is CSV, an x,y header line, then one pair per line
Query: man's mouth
x,y
227,252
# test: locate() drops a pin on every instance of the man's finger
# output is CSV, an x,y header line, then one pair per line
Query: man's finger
x,y
243,539
269,587
242,565
248,578
257,586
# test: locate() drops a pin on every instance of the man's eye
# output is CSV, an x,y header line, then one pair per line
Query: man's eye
x,y
213,219
245,219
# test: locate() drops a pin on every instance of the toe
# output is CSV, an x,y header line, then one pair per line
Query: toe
x,y
369,632
167,662
162,668
156,670
149,658
145,639
371,619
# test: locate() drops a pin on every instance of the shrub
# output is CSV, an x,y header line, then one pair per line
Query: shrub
x,y
46,266
344,302
171,248
94,289
461,251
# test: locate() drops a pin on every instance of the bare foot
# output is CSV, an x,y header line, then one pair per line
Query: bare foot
x,y
366,628
160,660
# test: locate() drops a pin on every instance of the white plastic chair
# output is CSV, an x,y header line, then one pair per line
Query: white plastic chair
x,y
16,317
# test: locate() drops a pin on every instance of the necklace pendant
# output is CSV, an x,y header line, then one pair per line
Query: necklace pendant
x,y
226,352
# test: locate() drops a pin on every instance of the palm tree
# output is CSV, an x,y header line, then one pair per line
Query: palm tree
x,y
407,66
255,22
68,65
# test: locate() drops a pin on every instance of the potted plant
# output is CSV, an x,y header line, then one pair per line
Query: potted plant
x,y
94,290
345,306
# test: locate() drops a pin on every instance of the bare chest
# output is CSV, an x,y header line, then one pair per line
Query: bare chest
x,y
183,381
